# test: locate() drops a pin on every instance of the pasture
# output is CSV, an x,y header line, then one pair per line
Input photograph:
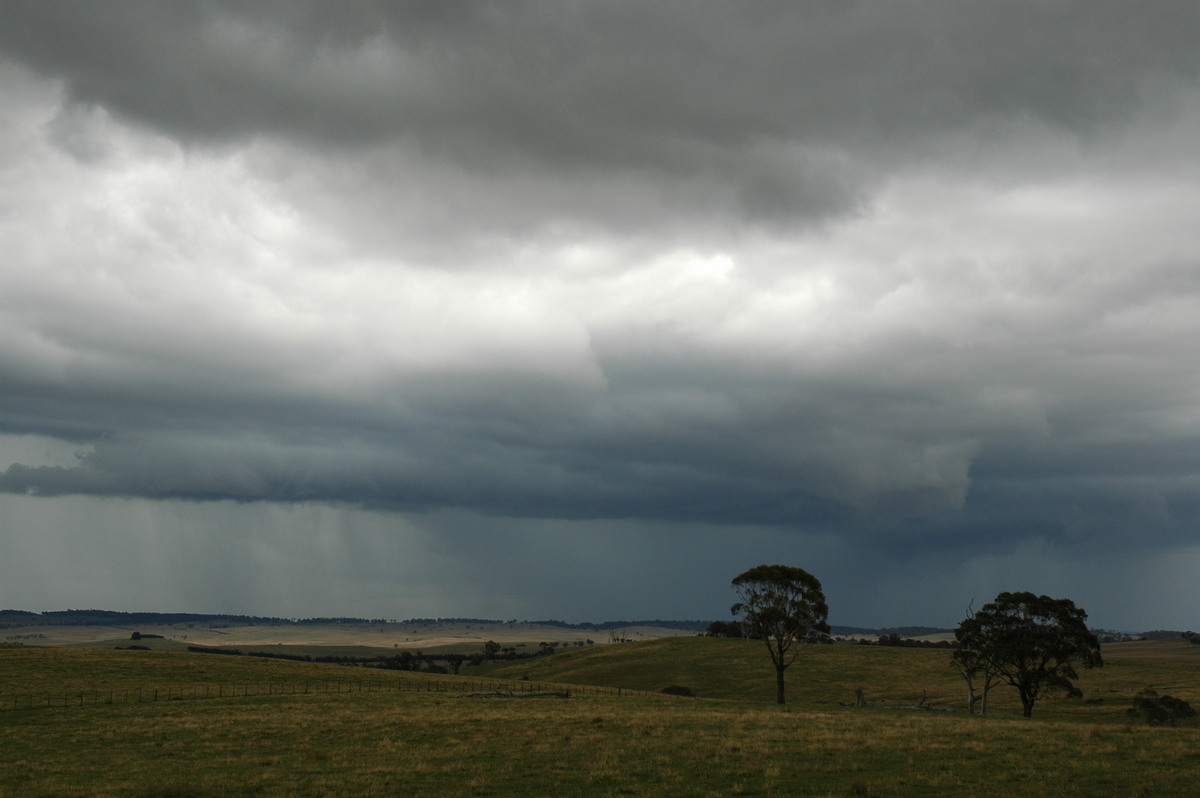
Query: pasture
x,y
426,739
355,638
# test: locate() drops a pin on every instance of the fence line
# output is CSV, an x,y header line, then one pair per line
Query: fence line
x,y
141,695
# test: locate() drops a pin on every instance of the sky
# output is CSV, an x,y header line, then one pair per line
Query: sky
x,y
577,310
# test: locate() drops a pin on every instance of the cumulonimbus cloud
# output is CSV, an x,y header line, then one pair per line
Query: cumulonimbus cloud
x,y
810,266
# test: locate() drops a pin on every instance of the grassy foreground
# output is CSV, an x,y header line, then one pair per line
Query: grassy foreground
x,y
436,743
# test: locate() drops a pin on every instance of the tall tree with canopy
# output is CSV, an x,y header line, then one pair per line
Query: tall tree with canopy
x,y
783,606
1031,642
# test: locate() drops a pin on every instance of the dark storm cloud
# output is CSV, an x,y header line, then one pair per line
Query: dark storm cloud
x,y
675,447
884,282
712,442
571,83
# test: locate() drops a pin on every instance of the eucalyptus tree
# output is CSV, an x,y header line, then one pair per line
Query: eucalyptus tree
x,y
783,606
1032,643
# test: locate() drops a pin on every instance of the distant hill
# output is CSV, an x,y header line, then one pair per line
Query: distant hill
x,y
901,631
93,617
11,618
1161,634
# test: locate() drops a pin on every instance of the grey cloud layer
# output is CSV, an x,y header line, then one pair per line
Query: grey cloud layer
x,y
780,111
923,271
560,79
676,445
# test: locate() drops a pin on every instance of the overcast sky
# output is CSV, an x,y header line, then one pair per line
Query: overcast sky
x,y
577,310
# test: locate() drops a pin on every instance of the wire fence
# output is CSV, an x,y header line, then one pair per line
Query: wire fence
x,y
13,701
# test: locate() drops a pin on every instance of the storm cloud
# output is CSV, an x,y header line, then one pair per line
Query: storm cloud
x,y
905,294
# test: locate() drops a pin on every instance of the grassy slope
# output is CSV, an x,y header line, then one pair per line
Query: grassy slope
x,y
419,743
741,669
34,670
823,674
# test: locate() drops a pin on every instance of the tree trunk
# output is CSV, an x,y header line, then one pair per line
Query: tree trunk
x,y
987,688
1027,704
779,685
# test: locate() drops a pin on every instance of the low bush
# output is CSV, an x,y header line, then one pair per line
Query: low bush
x,y
676,689
1159,710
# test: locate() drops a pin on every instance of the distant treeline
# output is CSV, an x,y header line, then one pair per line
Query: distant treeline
x,y
338,660
1161,634
11,618
895,636
899,641
404,661
899,631
688,626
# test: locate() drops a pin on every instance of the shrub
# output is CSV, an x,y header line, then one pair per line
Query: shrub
x,y
1159,710
676,689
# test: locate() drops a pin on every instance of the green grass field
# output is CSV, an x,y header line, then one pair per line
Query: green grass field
x,y
741,670
380,740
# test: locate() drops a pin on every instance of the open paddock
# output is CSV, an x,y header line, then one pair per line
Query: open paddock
x,y
438,742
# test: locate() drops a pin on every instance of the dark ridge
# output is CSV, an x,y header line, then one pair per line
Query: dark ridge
x,y
902,631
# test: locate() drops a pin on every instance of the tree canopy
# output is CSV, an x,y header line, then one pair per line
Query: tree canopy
x,y
1031,642
781,605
